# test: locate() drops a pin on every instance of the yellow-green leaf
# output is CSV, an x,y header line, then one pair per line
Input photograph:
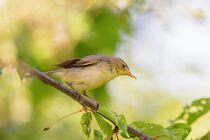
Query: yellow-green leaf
x,y
179,130
110,114
152,130
85,123
192,112
98,135
104,125
122,124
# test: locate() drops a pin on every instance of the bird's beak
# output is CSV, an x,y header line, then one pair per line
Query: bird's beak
x,y
131,75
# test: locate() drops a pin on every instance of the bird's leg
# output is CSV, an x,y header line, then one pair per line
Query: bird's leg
x,y
70,85
78,95
84,93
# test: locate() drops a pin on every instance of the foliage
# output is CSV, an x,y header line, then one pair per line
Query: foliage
x,y
34,41
85,123
110,114
119,120
98,135
122,123
149,129
176,131
192,112
105,126
179,131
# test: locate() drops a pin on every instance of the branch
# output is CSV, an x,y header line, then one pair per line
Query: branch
x,y
80,99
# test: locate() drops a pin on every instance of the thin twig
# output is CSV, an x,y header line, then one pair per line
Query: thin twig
x,y
47,128
80,99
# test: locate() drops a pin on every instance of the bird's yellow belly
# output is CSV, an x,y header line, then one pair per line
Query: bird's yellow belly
x,y
83,80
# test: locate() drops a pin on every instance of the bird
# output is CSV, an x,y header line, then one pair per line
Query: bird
x,y
90,72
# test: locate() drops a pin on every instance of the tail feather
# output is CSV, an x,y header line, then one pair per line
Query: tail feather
x,y
47,73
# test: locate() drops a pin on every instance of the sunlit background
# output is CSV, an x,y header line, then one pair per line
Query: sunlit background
x,y
165,42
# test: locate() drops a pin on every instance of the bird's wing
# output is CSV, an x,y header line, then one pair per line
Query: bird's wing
x,y
68,63
80,62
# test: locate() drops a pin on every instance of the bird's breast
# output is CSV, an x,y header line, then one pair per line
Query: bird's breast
x,y
87,78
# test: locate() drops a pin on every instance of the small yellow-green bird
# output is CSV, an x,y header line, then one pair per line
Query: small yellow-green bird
x,y
90,72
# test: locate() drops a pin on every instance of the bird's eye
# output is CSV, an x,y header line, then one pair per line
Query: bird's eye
x,y
123,66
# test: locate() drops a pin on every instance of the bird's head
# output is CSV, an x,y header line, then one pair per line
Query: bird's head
x,y
122,68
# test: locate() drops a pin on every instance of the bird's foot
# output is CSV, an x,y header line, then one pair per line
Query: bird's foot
x,y
84,93
97,104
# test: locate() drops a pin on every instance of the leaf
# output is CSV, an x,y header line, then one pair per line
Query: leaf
x,y
85,123
179,130
104,125
151,130
198,108
119,120
123,125
97,135
110,114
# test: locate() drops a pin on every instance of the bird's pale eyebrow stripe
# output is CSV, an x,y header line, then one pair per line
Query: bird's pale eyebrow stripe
x,y
122,61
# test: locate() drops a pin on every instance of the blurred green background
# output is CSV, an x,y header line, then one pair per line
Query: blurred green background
x,y
45,32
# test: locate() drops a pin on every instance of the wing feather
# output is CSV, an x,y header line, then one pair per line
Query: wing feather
x,y
81,62
68,63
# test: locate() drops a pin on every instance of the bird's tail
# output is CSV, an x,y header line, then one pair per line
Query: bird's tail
x,y
47,73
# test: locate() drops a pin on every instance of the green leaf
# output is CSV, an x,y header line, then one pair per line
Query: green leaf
x,y
85,123
104,125
198,108
119,120
179,130
110,114
123,125
151,130
97,135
